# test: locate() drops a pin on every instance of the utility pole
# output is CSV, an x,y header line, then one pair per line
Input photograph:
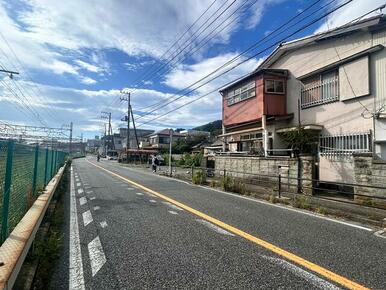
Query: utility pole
x,y
107,115
9,72
104,141
70,149
81,144
127,99
170,151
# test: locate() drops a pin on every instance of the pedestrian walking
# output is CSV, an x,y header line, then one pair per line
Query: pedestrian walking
x,y
154,163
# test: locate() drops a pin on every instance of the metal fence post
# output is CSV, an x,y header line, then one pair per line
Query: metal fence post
x,y
279,185
55,161
46,168
7,191
35,173
192,171
52,163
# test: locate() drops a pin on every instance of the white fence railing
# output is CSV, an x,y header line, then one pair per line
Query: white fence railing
x,y
339,145
320,92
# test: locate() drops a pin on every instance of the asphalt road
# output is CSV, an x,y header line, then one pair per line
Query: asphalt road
x,y
118,235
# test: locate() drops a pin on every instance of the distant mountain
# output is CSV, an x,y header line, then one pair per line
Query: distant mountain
x,y
212,127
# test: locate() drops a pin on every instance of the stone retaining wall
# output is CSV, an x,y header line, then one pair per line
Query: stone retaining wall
x,y
257,169
369,172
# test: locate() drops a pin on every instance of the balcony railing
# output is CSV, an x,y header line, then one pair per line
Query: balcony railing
x,y
320,92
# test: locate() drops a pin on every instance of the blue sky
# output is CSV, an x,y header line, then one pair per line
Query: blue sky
x,y
75,56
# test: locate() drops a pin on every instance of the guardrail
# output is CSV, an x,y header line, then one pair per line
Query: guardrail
x,y
25,170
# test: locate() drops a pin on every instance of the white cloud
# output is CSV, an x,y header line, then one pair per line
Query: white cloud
x,y
207,108
88,66
60,67
185,75
87,81
258,11
349,12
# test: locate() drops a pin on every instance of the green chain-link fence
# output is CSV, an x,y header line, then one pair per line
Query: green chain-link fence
x,y
24,172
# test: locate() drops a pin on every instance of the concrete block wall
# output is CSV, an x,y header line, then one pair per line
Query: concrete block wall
x,y
370,172
254,169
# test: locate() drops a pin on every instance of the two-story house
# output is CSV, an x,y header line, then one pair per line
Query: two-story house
x,y
332,83
161,139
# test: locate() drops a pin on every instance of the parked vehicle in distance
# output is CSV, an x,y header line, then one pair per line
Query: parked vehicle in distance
x,y
112,155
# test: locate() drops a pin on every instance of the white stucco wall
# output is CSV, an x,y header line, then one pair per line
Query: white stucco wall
x,y
341,117
337,117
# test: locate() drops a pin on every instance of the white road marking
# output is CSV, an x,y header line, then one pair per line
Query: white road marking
x,y
381,233
78,184
172,212
87,187
76,278
313,279
97,207
289,208
130,188
92,197
214,227
172,206
89,191
87,218
139,193
103,224
152,200
82,200
80,190
97,256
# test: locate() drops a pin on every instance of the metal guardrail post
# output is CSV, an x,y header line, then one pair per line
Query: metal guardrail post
x,y
46,168
7,191
35,173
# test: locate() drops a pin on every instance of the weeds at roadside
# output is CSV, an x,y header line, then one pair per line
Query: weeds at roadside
x,y
321,210
273,199
198,177
301,202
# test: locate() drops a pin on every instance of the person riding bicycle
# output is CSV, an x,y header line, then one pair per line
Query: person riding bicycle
x,y
98,157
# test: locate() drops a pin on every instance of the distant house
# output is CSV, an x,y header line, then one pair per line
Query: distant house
x,y
161,139
141,135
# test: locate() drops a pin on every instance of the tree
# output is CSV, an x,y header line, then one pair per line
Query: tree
x,y
300,139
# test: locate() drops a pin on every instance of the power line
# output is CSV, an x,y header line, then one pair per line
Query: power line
x,y
40,95
238,56
309,24
190,40
208,38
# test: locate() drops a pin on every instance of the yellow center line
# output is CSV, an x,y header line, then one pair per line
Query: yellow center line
x,y
275,249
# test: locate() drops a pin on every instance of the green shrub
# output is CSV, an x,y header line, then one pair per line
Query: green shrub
x,y
198,177
366,201
226,183
321,210
229,183
301,202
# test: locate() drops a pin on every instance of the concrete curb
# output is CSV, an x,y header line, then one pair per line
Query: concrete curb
x,y
16,246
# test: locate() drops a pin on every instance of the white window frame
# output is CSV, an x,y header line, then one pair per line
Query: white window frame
x,y
320,87
241,93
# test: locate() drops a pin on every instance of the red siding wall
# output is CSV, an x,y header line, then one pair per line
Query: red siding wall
x,y
275,104
253,109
